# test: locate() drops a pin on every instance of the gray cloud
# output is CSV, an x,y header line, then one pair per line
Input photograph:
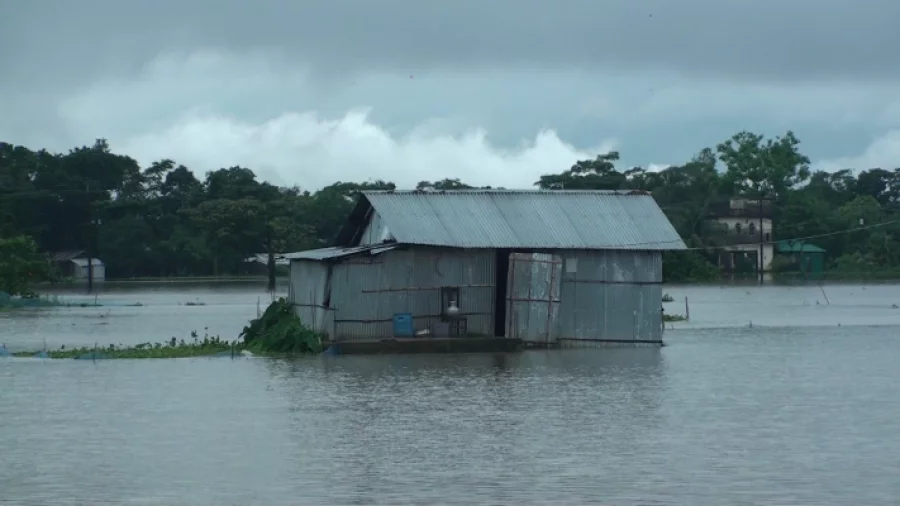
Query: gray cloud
x,y
503,89
771,39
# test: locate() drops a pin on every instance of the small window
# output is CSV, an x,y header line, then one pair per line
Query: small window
x,y
751,229
737,228
571,265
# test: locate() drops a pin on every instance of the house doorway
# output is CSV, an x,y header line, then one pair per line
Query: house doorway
x,y
501,274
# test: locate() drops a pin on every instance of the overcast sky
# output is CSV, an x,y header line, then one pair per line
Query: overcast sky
x,y
492,91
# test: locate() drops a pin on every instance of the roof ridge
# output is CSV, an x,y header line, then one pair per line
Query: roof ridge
x,y
507,191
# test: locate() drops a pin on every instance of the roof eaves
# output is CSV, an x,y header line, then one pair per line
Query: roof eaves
x,y
355,223
337,253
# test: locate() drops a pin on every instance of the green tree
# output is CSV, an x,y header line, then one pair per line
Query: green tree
x,y
21,265
597,174
163,221
444,184
759,166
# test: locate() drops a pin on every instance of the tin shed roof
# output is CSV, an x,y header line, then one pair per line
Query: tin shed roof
x,y
64,256
557,219
797,247
335,253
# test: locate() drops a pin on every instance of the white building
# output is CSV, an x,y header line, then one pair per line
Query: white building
x,y
746,224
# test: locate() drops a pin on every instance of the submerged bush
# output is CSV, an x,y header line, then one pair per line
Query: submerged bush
x,y
674,318
279,330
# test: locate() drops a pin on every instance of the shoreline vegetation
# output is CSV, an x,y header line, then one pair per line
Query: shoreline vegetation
x,y
208,347
31,300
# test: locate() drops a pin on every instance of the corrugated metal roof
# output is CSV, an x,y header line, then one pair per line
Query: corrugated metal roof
x,y
263,258
63,256
797,247
334,253
564,219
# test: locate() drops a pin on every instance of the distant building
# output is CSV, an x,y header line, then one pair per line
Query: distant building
x,y
742,224
263,258
74,264
258,264
803,257
554,268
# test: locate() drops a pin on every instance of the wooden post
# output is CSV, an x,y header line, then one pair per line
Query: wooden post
x,y
687,309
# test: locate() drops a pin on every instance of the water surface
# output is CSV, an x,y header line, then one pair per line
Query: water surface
x,y
802,407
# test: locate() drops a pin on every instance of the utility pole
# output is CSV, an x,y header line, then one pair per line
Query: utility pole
x,y
270,260
760,263
90,241
270,253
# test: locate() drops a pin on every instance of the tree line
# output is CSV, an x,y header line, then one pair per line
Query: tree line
x,y
162,220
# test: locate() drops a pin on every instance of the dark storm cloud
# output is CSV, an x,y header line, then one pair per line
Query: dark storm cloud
x,y
767,39
265,83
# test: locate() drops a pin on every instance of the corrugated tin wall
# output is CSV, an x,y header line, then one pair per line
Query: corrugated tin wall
x,y
367,292
308,289
614,295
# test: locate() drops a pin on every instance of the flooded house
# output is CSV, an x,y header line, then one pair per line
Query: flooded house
x,y
549,268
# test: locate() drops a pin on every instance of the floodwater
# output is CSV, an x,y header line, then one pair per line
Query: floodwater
x,y
800,407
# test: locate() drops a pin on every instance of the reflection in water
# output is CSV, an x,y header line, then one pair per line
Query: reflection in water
x,y
429,422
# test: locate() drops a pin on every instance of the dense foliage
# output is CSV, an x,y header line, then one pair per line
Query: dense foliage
x,y
21,264
279,330
162,220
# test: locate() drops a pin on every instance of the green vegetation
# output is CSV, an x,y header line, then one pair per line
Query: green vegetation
x,y
21,265
279,331
674,318
667,298
162,221
171,349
